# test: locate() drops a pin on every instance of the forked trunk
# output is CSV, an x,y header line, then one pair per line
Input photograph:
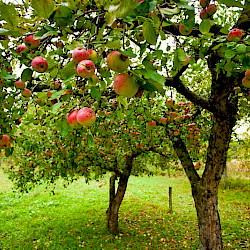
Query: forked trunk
x,y
206,203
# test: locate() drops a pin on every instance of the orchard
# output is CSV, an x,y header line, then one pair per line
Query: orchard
x,y
86,87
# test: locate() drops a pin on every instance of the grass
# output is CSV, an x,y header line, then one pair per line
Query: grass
x,y
74,218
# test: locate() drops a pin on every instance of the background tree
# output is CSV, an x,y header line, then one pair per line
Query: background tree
x,y
165,43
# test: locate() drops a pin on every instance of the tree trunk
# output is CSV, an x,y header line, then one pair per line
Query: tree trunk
x,y
115,198
206,203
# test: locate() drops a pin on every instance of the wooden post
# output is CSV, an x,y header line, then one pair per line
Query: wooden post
x,y
170,199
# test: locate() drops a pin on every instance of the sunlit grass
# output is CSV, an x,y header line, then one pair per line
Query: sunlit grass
x,y
74,217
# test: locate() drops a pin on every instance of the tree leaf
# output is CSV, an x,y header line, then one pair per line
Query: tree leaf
x,y
63,16
9,14
205,26
232,3
3,31
149,33
169,11
68,70
56,107
90,140
123,101
128,53
57,94
95,93
26,75
44,8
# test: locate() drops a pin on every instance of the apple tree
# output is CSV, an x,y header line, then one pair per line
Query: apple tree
x,y
76,54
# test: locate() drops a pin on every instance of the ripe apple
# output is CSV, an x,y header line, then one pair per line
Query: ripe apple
x,y
71,119
170,103
117,62
26,93
163,121
39,101
5,141
204,3
125,85
234,34
203,14
22,48
86,68
56,85
183,30
86,117
80,54
92,54
186,62
49,93
246,82
211,9
30,42
152,124
59,44
20,84
39,64
247,74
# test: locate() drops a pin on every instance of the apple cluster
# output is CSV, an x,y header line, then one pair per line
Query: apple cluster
x,y
208,9
124,84
85,117
246,79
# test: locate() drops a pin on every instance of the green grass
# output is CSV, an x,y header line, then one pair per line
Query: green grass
x,y
74,218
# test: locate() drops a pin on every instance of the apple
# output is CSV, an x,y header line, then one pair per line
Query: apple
x,y
5,141
125,85
163,121
56,85
26,93
211,9
86,68
86,117
152,124
92,54
234,34
80,54
183,30
247,74
71,118
204,3
20,84
49,93
203,14
30,42
138,1
186,62
117,62
1,83
22,48
59,44
246,82
39,64
39,101
170,103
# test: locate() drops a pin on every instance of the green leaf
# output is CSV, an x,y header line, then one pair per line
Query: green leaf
x,y
39,34
57,94
169,11
149,33
65,128
95,93
128,53
9,151
63,16
123,101
232,3
26,75
56,107
90,140
158,86
229,54
42,95
155,76
44,8
9,14
182,57
205,26
3,31
121,10
69,70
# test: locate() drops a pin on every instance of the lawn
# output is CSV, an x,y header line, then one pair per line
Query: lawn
x,y
74,218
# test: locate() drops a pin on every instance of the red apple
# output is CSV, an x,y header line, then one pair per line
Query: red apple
x,y
26,93
186,62
86,117
203,14
204,3
234,34
49,93
152,124
117,62
183,30
80,54
59,44
22,48
92,54
125,85
5,141
86,68
19,84
71,119
246,82
211,9
247,74
30,42
163,121
56,85
39,64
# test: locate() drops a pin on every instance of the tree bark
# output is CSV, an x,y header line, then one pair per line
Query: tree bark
x,y
117,197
